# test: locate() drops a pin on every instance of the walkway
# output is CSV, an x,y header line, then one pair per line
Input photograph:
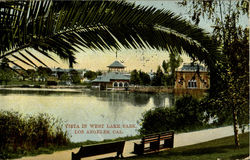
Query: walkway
x,y
182,139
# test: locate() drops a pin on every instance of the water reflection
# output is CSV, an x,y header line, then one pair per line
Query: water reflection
x,y
136,99
114,98
86,107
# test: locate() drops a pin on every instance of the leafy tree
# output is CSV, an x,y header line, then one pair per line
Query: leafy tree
x,y
165,66
170,67
158,78
44,72
75,76
98,73
144,78
90,75
64,77
6,73
230,92
139,77
32,74
174,62
134,77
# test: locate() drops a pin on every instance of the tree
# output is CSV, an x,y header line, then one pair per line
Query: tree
x,y
44,72
32,74
65,27
6,73
90,75
174,62
158,78
170,67
75,76
144,78
165,66
231,91
134,77
64,77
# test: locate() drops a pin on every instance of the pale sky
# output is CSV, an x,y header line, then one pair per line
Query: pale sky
x,y
146,60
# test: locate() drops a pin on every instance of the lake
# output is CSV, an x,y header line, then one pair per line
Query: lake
x,y
86,115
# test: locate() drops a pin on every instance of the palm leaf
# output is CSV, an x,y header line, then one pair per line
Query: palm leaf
x,y
63,26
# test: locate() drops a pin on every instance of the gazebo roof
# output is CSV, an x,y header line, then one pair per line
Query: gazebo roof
x,y
116,64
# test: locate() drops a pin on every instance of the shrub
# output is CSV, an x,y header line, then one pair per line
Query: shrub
x,y
23,133
185,115
157,120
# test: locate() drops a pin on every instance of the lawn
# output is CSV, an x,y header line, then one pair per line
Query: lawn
x,y
220,149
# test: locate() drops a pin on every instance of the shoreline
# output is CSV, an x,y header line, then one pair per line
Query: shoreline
x,y
132,89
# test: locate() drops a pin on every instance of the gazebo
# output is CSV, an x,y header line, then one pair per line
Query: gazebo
x,y
113,79
116,66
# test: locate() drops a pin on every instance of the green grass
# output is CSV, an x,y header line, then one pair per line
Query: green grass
x,y
222,149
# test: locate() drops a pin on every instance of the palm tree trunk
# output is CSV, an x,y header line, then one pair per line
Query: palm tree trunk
x,y
236,130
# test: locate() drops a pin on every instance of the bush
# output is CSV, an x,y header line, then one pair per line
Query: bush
x,y
157,120
186,115
20,134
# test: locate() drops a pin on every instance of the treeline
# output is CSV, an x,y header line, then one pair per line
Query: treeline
x,y
157,79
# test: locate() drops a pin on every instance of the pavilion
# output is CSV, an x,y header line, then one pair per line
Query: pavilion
x,y
113,79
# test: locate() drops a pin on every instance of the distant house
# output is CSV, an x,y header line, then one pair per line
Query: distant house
x,y
192,77
113,79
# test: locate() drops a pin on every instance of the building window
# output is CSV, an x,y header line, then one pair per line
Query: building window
x,y
115,84
192,84
120,84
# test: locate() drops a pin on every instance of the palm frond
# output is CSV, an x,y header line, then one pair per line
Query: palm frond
x,y
64,27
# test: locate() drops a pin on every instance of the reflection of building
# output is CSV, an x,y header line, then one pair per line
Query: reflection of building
x,y
192,77
113,79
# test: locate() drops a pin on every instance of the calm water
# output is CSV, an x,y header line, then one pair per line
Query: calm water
x,y
87,107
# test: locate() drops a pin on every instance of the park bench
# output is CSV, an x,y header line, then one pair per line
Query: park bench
x,y
155,141
98,149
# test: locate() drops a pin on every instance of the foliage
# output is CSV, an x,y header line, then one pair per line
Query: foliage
x,y
189,112
134,77
32,74
75,76
139,77
6,73
165,66
185,115
90,75
19,133
44,72
232,78
170,67
158,79
66,27
64,77
144,78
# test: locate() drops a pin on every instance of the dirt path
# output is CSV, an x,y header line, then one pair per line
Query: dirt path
x,y
182,139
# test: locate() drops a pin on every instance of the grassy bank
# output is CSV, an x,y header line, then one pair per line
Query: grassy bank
x,y
222,149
